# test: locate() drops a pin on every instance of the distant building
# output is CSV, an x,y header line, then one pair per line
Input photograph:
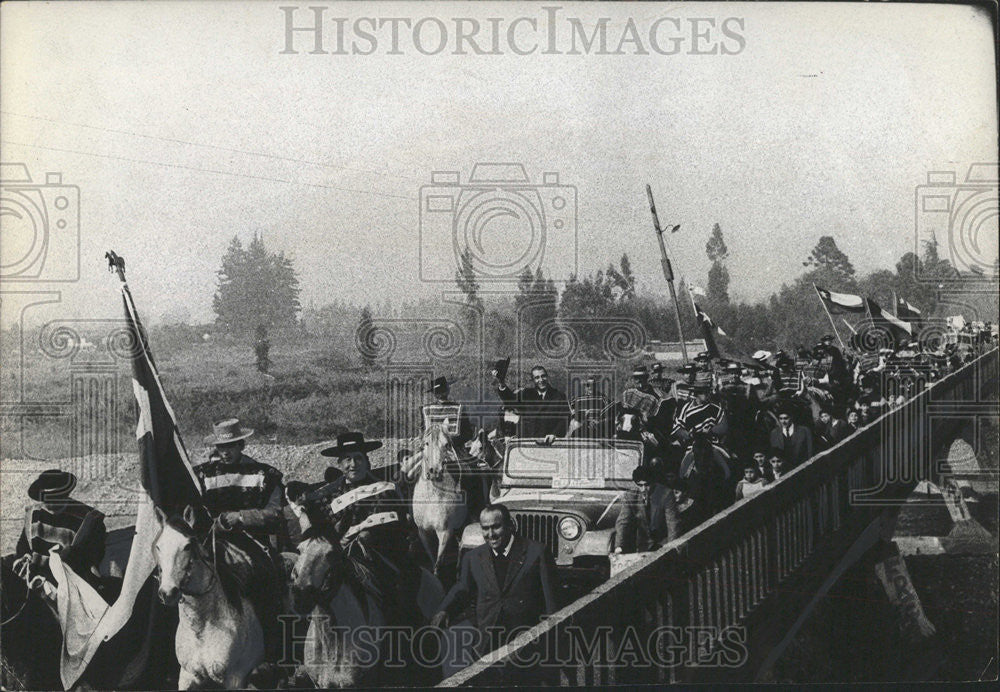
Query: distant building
x,y
670,351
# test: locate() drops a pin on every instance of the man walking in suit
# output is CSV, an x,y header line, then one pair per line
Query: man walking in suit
x,y
649,516
793,443
509,579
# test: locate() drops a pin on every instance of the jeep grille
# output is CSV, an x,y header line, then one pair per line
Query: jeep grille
x,y
543,528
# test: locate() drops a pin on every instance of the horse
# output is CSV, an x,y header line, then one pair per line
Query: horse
x,y
328,585
706,472
439,502
220,635
489,454
30,636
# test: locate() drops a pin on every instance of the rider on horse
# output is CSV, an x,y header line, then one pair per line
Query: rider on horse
x,y
370,516
244,498
55,519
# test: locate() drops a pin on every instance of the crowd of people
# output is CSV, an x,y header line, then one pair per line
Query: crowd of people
x,y
721,430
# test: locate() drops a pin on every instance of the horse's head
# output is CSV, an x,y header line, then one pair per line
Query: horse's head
x,y
180,559
318,569
483,449
437,451
628,425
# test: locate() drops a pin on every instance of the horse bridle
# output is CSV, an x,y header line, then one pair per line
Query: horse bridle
x,y
214,565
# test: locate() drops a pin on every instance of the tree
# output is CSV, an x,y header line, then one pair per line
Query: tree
x,y
256,288
830,265
535,303
465,278
716,248
718,274
366,346
622,279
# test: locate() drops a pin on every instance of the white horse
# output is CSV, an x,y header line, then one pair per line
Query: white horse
x,y
325,586
219,637
439,503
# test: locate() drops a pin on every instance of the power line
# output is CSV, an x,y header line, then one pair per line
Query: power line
x,y
216,147
208,170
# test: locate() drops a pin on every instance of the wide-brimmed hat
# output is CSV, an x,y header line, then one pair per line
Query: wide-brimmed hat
x,y
441,383
761,355
501,367
53,484
826,337
704,355
228,431
640,371
656,368
349,443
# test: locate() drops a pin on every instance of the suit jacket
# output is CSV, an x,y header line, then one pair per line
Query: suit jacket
x,y
539,416
795,449
528,592
635,532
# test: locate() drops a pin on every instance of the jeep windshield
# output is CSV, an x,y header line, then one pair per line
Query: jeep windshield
x,y
571,463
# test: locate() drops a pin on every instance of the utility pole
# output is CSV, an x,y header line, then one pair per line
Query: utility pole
x,y
668,272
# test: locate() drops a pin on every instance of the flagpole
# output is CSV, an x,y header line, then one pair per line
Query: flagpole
x,y
829,316
848,325
895,304
668,272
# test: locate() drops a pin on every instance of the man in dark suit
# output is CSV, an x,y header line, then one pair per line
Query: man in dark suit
x,y
509,579
542,408
649,516
793,443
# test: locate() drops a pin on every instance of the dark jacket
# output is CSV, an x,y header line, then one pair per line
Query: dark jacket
x,y
78,528
527,593
540,415
250,488
794,450
639,529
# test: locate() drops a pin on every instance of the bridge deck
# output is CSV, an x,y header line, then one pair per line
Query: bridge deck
x,y
715,603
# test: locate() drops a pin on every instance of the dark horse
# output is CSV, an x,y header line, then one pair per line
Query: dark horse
x,y
30,637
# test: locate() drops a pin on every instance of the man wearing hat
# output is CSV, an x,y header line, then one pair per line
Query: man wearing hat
x,y
441,389
55,519
240,492
372,520
699,414
649,516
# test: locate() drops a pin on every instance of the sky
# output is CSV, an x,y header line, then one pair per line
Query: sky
x,y
183,124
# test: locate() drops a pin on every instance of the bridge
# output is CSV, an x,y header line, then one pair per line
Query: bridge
x,y
723,601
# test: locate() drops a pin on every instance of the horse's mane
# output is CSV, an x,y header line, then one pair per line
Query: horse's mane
x,y
235,574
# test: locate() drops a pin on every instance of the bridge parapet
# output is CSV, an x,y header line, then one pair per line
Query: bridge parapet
x,y
713,604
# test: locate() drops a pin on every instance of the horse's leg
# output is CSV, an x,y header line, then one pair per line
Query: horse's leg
x,y
186,680
427,537
445,569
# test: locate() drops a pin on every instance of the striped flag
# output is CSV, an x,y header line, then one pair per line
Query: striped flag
x,y
899,329
907,312
840,302
120,638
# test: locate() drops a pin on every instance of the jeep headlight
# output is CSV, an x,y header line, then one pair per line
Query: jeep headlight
x,y
570,529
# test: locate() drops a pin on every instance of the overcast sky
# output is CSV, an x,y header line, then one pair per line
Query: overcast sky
x,y
184,124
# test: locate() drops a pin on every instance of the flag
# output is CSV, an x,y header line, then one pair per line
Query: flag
x,y
907,312
126,630
900,330
836,302
709,329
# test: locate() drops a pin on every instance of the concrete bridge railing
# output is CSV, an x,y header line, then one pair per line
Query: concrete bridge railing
x,y
715,604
